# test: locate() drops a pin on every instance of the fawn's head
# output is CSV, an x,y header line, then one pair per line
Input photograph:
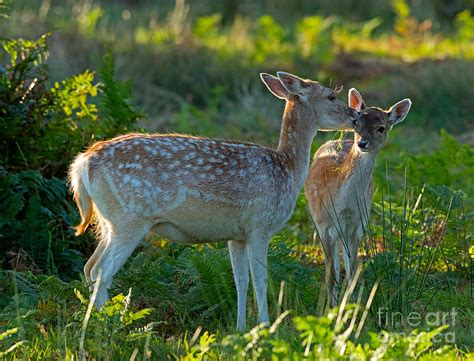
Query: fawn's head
x,y
313,101
374,123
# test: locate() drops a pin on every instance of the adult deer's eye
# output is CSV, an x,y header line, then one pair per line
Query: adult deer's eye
x,y
355,123
381,129
332,98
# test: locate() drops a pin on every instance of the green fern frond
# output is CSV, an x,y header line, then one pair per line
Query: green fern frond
x,y
116,99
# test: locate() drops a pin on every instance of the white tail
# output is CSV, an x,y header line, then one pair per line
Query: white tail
x,y
79,177
339,187
191,189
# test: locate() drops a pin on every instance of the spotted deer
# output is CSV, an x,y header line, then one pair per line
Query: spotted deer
x,y
339,187
191,189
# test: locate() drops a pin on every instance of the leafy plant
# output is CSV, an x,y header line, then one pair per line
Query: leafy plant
x,y
3,336
36,225
116,107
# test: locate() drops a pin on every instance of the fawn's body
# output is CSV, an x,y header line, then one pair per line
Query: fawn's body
x,y
339,187
190,189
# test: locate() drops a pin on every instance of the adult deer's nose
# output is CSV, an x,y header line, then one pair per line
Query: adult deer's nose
x,y
363,143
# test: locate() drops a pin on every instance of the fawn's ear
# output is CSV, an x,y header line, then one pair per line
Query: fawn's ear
x,y
274,85
355,101
399,111
294,84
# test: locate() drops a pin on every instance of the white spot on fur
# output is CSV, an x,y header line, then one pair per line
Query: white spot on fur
x,y
189,156
133,166
136,182
175,164
113,189
151,150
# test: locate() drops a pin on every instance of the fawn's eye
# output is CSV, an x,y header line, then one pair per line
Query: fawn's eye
x,y
381,129
332,98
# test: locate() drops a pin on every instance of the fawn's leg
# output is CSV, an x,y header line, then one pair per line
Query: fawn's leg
x,y
257,249
350,255
332,269
240,269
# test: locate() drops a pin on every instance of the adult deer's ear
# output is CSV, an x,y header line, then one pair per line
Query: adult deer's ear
x,y
274,85
399,111
355,101
294,84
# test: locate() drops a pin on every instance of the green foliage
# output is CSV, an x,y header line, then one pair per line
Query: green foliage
x,y
322,338
314,38
44,128
451,165
56,318
5,8
71,96
39,127
268,42
118,112
207,27
3,336
36,225
465,25
189,286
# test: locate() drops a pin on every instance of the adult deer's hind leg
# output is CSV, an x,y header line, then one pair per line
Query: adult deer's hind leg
x,y
104,231
124,238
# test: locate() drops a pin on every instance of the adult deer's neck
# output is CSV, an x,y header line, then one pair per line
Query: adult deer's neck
x,y
296,136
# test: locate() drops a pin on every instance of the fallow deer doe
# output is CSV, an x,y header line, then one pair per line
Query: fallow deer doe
x,y
190,189
339,187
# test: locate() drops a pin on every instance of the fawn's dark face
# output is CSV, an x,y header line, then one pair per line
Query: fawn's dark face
x,y
371,129
374,123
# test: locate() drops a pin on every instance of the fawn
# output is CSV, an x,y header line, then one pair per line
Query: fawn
x,y
339,187
190,189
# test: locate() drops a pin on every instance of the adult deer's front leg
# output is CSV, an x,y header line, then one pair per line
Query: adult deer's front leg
x,y
240,268
257,249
